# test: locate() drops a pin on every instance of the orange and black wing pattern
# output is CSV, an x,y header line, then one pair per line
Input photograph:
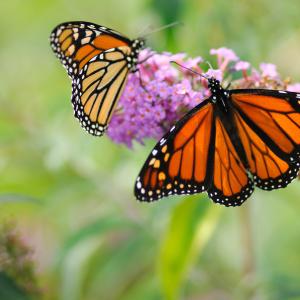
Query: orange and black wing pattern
x,y
230,182
98,61
232,142
179,162
97,89
268,125
196,155
76,43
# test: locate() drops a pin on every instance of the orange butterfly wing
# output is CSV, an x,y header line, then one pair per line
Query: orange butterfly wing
x,y
196,155
253,139
97,89
268,124
98,61
76,43
230,185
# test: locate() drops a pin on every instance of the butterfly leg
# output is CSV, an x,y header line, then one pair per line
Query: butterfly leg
x,y
228,86
139,72
140,79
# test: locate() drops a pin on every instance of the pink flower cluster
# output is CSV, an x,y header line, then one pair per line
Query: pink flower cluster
x,y
160,93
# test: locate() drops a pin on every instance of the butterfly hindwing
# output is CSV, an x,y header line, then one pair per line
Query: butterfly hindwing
x,y
97,88
231,184
268,124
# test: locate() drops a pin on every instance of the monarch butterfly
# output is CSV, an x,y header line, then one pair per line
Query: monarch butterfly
x,y
231,142
98,60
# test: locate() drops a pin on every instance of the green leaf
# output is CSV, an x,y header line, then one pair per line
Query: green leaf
x,y
9,290
192,224
77,252
116,273
97,228
73,268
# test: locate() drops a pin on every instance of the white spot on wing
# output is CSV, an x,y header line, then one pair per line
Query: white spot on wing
x,y
162,141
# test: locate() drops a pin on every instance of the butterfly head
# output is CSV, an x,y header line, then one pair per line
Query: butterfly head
x,y
217,92
138,44
214,84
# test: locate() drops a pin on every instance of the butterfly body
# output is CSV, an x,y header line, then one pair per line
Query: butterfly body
x,y
219,96
230,143
98,61
223,109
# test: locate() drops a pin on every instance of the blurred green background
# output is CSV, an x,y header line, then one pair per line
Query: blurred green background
x,y
70,197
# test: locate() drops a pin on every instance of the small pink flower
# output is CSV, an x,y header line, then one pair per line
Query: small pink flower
x,y
224,54
295,87
255,77
158,113
176,57
165,58
195,99
242,65
193,63
170,91
147,52
183,88
268,70
216,73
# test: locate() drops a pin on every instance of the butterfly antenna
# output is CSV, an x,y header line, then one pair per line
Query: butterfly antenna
x,y
144,30
163,27
190,70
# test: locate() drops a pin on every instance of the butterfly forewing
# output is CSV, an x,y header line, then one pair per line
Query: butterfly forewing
x,y
275,117
178,163
75,43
